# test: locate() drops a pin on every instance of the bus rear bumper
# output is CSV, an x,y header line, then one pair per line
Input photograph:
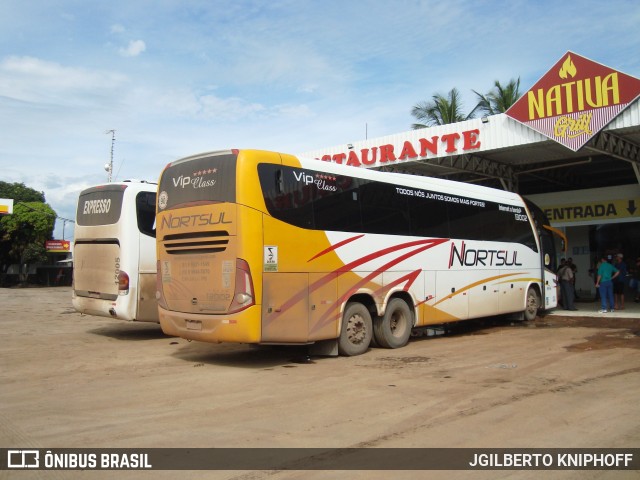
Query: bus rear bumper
x,y
100,308
242,327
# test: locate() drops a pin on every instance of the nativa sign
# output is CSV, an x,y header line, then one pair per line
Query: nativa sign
x,y
574,100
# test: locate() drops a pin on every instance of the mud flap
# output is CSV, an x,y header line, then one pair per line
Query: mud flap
x,y
516,317
324,348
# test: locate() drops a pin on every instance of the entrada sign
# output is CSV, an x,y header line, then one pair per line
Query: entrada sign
x,y
596,211
574,100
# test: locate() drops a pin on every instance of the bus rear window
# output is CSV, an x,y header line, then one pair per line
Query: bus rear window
x,y
196,181
100,205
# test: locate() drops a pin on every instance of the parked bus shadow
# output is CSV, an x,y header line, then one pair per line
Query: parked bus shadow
x,y
242,355
130,331
289,356
479,326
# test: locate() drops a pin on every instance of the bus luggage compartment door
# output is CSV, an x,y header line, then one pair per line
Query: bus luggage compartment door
x,y
285,307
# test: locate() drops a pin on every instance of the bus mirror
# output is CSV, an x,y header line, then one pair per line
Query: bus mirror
x,y
560,235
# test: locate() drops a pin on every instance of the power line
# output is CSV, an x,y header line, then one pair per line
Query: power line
x,y
56,216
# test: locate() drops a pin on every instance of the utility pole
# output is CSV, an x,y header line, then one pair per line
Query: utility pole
x,y
109,166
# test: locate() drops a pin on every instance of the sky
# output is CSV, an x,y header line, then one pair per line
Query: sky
x,y
174,78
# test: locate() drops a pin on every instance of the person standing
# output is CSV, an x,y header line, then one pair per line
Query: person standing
x,y
618,282
575,274
567,289
593,273
606,274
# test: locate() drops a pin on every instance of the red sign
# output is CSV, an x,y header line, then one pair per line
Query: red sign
x,y
58,246
574,100
406,150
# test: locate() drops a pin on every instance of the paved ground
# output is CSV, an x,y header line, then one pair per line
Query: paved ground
x,y
589,307
79,381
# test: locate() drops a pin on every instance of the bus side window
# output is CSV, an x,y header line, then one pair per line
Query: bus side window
x,y
146,213
337,210
384,211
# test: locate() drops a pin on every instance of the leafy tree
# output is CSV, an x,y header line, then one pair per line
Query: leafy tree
x,y
500,98
24,232
19,192
440,110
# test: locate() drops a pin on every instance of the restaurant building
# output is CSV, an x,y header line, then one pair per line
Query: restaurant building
x,y
571,144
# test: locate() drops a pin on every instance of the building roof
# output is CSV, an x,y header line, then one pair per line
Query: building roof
x,y
507,154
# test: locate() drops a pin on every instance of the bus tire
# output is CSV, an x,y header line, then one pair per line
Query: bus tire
x,y
357,330
393,329
533,305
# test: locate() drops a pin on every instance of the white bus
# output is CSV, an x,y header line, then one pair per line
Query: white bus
x,y
261,247
114,251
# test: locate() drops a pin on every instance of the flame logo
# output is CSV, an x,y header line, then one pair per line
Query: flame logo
x,y
568,68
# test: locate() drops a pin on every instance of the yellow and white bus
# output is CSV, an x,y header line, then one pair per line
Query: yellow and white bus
x,y
114,251
266,248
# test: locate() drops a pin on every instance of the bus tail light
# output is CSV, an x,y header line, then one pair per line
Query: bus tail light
x,y
123,283
243,296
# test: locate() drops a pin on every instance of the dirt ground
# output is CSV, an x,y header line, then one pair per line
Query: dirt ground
x,y
75,381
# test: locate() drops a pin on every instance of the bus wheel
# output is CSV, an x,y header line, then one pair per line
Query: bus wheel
x,y
533,305
394,328
357,330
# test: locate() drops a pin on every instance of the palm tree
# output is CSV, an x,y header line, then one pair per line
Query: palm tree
x,y
500,98
440,111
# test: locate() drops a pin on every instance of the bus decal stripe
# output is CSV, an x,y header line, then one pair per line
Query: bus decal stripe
x,y
523,279
380,253
409,279
382,269
322,321
480,282
299,296
335,247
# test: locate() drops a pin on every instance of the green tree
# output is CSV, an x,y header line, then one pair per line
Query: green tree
x,y
440,110
19,192
24,232
500,98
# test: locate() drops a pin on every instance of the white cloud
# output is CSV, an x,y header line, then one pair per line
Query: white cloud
x,y
135,48
31,79
187,104
294,111
117,28
230,108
